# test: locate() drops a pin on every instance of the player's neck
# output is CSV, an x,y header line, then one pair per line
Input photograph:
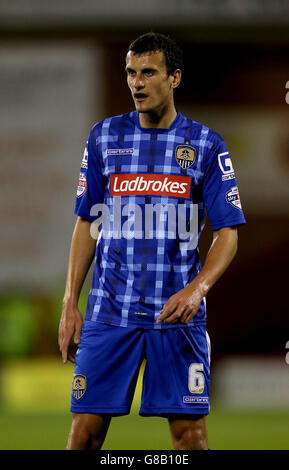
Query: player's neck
x,y
158,119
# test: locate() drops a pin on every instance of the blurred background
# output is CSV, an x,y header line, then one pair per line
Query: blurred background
x,y
61,70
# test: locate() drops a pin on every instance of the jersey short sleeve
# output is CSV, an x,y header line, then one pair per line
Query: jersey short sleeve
x,y
220,190
90,189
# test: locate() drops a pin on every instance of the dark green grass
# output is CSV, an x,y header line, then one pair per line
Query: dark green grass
x,y
227,430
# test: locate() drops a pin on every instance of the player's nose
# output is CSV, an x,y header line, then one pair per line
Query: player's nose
x,y
138,81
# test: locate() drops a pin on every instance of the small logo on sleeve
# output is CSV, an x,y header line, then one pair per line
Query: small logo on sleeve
x,y
84,162
82,184
233,198
225,164
78,386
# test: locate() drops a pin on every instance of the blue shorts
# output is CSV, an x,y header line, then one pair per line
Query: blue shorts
x,y
176,376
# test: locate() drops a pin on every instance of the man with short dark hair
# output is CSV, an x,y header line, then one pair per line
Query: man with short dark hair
x,y
151,174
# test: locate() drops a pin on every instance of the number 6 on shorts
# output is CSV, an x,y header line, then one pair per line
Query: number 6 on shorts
x,y
196,378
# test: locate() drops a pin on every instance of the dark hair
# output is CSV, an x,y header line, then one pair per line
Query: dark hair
x,y
151,42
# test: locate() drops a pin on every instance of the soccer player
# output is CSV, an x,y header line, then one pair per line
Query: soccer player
x,y
147,178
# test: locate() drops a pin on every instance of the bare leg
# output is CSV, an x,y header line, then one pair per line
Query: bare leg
x,y
189,433
88,431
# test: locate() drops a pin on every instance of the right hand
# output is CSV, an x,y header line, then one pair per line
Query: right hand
x,y
70,324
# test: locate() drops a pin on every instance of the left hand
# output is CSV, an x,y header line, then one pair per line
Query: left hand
x,y
182,306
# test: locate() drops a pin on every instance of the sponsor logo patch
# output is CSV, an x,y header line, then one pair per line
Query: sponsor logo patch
x,y
78,386
81,188
150,184
230,176
226,166
198,400
185,155
233,198
84,163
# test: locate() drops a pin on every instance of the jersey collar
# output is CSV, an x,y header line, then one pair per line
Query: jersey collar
x,y
157,130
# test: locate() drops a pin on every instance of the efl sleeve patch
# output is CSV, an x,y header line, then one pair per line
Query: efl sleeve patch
x,y
82,185
233,198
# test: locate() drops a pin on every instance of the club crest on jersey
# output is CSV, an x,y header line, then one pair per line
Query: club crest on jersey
x,y
78,386
185,155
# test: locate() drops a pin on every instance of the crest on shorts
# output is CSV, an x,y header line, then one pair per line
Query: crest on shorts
x,y
78,386
185,155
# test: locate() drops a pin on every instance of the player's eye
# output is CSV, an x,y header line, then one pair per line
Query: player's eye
x,y
130,72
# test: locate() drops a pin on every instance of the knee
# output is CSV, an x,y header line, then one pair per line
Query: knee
x,y
85,434
190,438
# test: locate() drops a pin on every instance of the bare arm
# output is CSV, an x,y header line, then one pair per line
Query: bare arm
x,y
81,255
182,306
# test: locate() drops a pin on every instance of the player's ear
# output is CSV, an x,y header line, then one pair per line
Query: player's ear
x,y
176,78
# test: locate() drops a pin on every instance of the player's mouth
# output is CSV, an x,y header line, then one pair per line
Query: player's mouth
x,y
140,96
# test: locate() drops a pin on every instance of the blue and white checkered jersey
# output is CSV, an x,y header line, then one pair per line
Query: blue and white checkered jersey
x,y
146,192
